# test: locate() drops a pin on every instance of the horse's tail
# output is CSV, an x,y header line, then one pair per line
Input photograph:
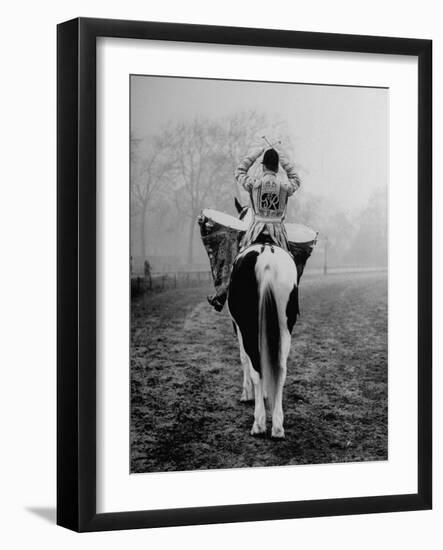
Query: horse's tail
x,y
269,337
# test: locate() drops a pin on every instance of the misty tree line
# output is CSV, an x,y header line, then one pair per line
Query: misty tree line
x,y
190,165
354,240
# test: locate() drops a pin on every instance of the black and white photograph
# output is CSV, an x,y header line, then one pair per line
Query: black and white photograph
x,y
221,308
259,274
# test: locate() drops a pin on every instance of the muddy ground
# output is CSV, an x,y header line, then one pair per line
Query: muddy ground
x,y
186,381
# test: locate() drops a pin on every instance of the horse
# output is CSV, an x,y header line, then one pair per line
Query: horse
x,y
263,305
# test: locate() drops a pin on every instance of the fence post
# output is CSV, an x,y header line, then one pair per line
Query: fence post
x,y
325,257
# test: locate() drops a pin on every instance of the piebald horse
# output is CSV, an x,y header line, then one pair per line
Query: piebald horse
x,y
263,304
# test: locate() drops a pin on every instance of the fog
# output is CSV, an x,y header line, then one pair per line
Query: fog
x,y
188,135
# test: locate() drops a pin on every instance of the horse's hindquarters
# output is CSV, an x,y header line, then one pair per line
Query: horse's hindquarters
x,y
261,303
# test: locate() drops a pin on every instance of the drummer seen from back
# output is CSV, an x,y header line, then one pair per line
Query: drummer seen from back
x,y
269,195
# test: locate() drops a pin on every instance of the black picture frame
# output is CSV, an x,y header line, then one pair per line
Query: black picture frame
x,y
76,279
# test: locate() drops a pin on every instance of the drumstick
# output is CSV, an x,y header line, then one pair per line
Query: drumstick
x,y
269,143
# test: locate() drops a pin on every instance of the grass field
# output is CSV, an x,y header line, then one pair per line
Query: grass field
x,y
186,381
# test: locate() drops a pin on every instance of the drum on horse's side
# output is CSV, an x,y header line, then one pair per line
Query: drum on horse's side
x,y
213,221
221,235
302,240
300,234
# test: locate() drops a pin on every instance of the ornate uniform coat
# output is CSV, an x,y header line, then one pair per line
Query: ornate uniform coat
x,y
269,197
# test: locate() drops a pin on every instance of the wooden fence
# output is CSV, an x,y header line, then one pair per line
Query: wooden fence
x,y
158,282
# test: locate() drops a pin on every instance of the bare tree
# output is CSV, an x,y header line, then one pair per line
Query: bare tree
x,y
244,131
201,175
369,246
150,166
190,165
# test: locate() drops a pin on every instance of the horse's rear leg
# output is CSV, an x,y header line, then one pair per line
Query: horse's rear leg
x,y
259,426
248,386
278,431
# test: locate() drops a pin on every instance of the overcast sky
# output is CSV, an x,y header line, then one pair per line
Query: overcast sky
x,y
340,133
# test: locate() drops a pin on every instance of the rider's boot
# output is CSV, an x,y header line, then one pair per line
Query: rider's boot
x,y
218,300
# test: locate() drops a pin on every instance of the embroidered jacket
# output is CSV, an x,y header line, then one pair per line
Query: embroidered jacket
x,y
269,196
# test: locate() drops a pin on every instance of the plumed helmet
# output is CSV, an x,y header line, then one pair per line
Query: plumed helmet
x,y
270,160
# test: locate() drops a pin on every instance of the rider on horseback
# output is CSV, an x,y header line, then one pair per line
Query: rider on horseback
x,y
269,195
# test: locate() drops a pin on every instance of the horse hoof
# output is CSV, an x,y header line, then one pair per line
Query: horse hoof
x,y
258,435
247,396
278,434
247,401
258,431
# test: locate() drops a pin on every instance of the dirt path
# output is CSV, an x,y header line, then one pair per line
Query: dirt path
x,y
186,381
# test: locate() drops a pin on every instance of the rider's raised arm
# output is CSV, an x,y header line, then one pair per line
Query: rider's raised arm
x,y
241,172
289,168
